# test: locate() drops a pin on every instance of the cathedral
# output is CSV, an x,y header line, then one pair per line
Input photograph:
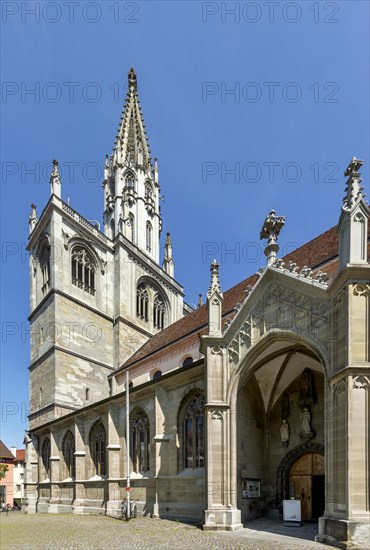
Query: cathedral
x,y
258,399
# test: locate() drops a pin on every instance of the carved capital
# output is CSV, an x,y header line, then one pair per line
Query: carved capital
x,y
217,415
361,289
361,383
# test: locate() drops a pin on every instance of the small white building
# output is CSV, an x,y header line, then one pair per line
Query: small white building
x,y
18,473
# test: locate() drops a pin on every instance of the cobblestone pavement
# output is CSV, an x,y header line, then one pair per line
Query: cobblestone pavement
x,y
49,531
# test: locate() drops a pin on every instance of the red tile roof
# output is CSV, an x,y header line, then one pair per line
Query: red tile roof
x,y
312,254
4,451
21,455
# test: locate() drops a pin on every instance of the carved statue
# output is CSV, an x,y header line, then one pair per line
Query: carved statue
x,y
305,421
307,394
285,406
284,433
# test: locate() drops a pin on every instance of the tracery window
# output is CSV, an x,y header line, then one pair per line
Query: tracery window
x,y
45,267
149,231
140,442
148,190
193,431
142,302
158,312
98,448
83,270
45,456
130,180
68,449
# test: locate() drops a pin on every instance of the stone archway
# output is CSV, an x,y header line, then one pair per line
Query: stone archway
x,y
282,474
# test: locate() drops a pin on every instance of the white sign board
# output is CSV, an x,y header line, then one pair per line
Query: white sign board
x,y
292,510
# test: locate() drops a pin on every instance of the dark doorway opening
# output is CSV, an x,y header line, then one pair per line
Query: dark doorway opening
x,y
318,496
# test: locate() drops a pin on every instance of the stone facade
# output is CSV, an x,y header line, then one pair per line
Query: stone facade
x,y
260,395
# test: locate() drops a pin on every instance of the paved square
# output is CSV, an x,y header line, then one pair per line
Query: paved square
x,y
47,531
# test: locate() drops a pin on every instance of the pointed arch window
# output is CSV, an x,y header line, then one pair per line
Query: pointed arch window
x,y
142,302
83,270
45,456
149,231
158,312
98,448
193,433
68,449
130,180
131,227
140,443
148,190
45,268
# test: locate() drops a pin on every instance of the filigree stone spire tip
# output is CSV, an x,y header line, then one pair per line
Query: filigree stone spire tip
x,y
215,280
270,231
354,189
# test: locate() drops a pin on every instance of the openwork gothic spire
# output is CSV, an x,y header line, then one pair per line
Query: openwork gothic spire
x,y
270,231
131,144
354,189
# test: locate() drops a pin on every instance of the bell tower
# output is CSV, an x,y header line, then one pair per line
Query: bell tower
x,y
131,188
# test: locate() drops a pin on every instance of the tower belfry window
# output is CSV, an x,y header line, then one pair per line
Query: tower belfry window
x,y
131,224
45,267
83,270
158,312
149,231
148,191
130,180
142,302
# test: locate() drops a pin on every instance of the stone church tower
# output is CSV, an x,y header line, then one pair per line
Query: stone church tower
x,y
96,297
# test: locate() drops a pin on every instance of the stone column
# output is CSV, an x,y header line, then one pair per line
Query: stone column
x,y
346,522
221,511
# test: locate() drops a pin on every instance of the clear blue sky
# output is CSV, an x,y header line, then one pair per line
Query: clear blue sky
x,y
299,112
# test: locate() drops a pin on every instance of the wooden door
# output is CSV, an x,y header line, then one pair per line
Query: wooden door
x,y
301,478
303,492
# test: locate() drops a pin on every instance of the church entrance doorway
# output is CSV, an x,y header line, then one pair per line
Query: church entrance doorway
x,y
307,484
